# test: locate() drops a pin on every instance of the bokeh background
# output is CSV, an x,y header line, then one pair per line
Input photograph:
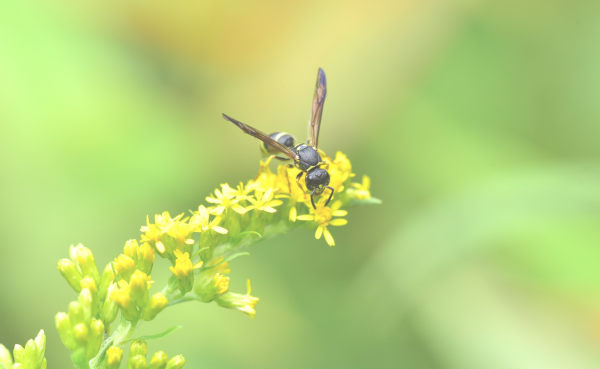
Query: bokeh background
x,y
478,122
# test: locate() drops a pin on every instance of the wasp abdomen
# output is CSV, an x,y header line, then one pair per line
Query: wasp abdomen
x,y
283,138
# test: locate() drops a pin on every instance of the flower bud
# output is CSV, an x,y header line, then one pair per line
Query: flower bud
x,y
31,358
81,333
244,303
95,338
176,362
89,284
157,303
137,362
123,298
114,355
40,342
76,314
159,360
63,326
85,299
125,266
85,259
139,288
107,278
138,347
110,307
70,272
19,354
209,289
6,357
146,258
184,271
131,249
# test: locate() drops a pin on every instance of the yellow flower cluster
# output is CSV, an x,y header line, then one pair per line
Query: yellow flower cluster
x,y
199,248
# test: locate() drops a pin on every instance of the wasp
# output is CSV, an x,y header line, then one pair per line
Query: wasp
x,y
305,156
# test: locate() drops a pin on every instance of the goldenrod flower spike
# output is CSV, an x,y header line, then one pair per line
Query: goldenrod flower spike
x,y
223,229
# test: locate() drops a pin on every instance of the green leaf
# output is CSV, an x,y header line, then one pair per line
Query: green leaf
x,y
78,358
2,366
150,337
199,251
227,259
237,239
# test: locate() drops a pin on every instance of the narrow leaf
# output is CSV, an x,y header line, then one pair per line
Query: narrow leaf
x,y
150,337
227,259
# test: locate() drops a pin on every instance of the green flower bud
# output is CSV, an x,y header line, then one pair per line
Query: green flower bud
x,y
138,347
122,297
125,266
89,284
19,354
40,342
85,259
70,272
81,333
159,360
176,362
244,303
114,355
110,307
157,303
137,362
131,249
139,288
145,258
30,360
63,326
211,286
95,338
107,278
85,299
5,357
76,313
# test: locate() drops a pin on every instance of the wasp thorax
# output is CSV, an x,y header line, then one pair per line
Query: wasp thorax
x,y
317,179
309,157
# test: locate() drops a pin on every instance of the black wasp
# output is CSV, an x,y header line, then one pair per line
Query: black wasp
x,y
305,156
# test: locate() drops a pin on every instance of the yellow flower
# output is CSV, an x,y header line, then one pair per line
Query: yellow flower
x,y
361,190
340,169
178,232
225,200
200,222
183,270
323,217
244,303
264,202
290,189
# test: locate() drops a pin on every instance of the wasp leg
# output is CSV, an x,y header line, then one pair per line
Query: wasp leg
x,y
298,180
330,195
312,195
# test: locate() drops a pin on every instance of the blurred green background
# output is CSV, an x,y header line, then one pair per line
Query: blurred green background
x,y
478,122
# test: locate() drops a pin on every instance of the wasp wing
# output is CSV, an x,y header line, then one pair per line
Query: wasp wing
x,y
317,109
261,136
